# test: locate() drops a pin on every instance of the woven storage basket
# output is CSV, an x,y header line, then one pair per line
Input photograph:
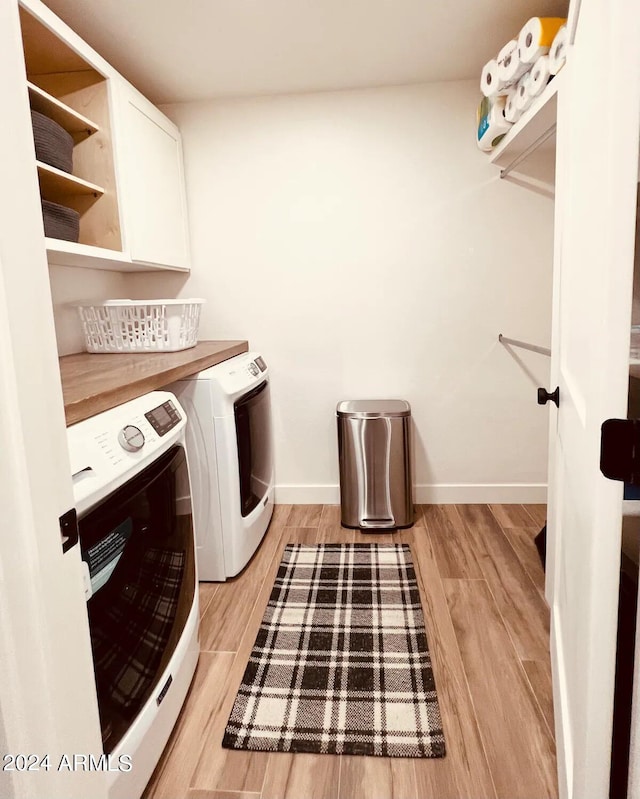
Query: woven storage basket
x,y
60,222
54,145
140,325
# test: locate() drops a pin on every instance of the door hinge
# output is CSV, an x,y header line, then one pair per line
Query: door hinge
x,y
620,450
69,529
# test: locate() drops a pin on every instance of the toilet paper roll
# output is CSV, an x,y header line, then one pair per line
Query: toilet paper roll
x,y
506,51
489,80
539,76
511,112
558,51
492,124
523,98
510,67
536,37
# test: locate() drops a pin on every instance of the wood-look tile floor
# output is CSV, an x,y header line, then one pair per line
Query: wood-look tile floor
x,y
488,628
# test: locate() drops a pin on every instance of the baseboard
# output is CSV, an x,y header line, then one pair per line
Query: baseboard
x,y
443,494
307,495
470,493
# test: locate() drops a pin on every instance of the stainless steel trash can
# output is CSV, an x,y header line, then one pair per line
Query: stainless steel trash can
x,y
374,440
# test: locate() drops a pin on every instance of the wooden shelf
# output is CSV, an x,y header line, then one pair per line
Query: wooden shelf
x,y
94,383
537,121
74,123
55,183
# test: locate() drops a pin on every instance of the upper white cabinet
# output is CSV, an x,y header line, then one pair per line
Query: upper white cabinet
x,y
127,181
152,196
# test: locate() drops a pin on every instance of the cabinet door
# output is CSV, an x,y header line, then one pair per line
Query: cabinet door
x,y
149,157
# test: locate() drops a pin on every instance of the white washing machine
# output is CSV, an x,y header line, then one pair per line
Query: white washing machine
x,y
132,495
230,446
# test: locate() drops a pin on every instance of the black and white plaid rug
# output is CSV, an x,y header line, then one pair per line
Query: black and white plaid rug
x,y
340,664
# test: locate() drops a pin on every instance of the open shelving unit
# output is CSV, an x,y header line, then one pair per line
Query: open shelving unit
x,y
64,86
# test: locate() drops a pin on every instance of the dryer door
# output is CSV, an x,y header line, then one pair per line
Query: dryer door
x,y
255,449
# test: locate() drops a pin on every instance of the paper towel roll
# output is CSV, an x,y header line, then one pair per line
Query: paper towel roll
x,y
510,67
558,51
539,76
489,80
523,98
511,112
536,37
492,125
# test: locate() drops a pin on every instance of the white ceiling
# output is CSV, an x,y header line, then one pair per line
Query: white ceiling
x,y
177,50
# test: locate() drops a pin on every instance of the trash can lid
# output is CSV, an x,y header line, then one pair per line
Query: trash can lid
x,y
373,409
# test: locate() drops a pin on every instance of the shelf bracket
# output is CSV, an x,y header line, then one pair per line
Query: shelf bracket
x,y
530,149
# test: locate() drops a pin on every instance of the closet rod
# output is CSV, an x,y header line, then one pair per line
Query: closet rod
x,y
515,343
527,152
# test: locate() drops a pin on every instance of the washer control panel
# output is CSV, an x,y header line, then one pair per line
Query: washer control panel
x,y
108,449
163,418
131,438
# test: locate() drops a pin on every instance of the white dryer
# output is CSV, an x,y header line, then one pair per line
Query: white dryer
x,y
230,450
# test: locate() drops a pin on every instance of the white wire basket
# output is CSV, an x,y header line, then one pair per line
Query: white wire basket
x,y
140,325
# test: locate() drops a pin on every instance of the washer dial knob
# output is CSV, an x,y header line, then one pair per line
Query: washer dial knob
x,y
131,438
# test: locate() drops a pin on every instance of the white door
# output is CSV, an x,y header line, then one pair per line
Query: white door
x,y
597,140
48,700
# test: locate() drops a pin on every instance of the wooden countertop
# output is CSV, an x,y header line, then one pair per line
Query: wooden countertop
x,y
92,383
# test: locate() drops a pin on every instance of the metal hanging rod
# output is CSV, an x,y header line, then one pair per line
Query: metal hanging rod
x,y
524,345
526,153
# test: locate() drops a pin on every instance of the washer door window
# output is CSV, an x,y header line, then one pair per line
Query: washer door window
x,y
253,433
138,547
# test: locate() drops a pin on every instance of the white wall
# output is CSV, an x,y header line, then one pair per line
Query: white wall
x,y
365,246
70,284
